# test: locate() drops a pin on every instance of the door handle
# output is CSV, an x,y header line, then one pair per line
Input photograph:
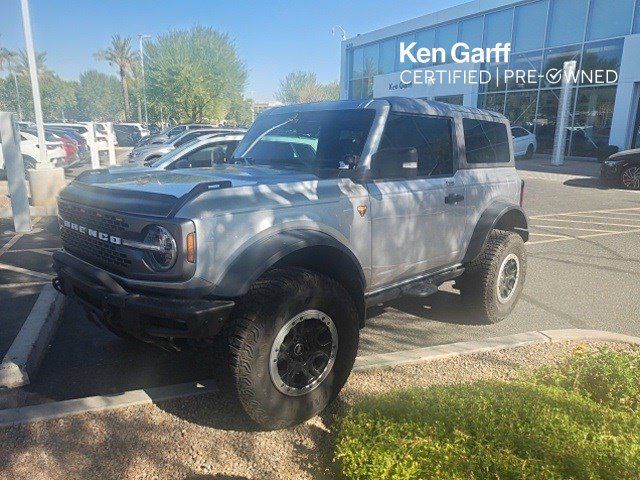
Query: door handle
x,y
453,198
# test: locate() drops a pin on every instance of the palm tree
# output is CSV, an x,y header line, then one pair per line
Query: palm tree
x,y
22,66
119,54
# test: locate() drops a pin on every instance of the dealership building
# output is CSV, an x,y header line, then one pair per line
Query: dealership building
x,y
544,34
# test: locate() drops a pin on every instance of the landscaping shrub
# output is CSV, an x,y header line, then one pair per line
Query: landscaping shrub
x,y
578,420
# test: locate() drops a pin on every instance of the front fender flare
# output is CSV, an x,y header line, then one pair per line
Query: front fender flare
x,y
259,257
501,216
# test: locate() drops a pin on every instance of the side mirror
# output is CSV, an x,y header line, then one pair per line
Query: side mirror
x,y
395,163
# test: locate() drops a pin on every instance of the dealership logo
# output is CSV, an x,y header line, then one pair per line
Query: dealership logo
x,y
105,237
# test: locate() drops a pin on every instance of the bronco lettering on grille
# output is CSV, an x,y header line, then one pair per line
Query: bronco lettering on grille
x,y
105,237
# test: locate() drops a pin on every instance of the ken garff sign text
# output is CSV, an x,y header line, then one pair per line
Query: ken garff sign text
x,y
461,53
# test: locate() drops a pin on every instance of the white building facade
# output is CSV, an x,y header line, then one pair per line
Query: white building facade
x,y
597,34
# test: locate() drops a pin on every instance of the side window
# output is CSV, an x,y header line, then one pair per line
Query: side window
x,y
430,136
486,142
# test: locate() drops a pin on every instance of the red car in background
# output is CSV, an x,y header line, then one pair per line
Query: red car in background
x,y
70,149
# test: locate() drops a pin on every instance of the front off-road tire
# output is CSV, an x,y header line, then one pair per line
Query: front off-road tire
x,y
287,316
491,284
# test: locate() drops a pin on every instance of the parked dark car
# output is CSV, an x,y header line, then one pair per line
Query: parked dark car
x,y
623,168
126,135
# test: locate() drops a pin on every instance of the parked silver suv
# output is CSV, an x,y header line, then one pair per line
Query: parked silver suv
x,y
324,209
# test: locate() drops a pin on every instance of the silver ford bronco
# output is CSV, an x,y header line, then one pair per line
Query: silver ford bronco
x,y
323,210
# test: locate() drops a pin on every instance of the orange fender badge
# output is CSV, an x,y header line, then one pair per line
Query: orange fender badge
x,y
362,209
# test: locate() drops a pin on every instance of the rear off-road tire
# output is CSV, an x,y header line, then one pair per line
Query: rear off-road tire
x,y
491,284
292,345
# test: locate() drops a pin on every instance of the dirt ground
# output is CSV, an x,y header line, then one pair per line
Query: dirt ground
x,y
207,437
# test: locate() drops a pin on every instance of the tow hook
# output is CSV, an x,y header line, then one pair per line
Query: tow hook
x,y
58,285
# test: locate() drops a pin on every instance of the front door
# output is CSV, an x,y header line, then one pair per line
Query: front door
x,y
417,224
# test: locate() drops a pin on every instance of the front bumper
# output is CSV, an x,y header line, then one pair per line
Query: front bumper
x,y
149,318
610,172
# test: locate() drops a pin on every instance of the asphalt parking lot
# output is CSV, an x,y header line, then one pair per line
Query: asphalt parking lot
x,y
583,272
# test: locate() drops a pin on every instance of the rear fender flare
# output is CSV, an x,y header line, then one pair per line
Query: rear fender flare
x,y
499,216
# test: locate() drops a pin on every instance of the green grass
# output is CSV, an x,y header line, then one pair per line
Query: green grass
x,y
577,420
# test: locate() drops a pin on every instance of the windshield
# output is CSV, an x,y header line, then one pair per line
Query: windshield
x,y
319,142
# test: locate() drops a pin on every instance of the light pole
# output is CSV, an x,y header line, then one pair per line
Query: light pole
x,y
141,39
35,86
343,34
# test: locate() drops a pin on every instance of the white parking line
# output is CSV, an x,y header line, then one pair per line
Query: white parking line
x,y
545,234
606,234
24,271
630,211
603,217
590,223
580,229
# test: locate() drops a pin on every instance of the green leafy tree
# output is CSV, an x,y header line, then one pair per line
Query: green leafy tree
x,y
301,86
240,111
120,54
99,96
194,74
59,101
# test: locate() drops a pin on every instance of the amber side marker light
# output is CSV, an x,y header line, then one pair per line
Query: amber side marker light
x,y
191,248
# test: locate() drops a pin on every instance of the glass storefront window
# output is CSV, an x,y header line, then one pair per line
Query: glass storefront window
x,y
387,56
592,120
607,20
406,39
497,27
447,36
356,66
530,23
520,108
546,120
367,88
371,57
602,56
568,18
426,39
555,59
471,32
525,62
355,89
497,83
492,101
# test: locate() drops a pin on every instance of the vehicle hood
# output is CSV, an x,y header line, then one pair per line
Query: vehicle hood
x,y
180,182
625,154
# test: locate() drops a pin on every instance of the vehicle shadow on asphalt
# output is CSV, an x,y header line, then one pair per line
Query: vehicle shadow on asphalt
x,y
590,182
443,307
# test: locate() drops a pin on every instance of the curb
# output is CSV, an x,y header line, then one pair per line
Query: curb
x,y
491,344
42,211
66,408
27,350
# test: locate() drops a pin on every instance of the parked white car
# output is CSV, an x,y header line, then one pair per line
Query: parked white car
x,y
31,153
149,153
524,142
200,152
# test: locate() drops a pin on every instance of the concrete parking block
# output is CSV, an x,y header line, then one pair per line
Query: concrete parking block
x,y
27,350
45,411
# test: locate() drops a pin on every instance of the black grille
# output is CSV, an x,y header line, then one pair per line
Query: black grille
x,y
94,219
98,252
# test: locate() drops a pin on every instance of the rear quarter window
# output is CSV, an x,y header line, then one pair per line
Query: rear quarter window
x,y
486,142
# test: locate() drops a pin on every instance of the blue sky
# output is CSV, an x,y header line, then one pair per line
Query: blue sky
x,y
273,37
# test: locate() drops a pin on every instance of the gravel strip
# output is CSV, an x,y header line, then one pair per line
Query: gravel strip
x,y
206,436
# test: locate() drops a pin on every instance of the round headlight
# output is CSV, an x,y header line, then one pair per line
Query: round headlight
x,y
165,251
